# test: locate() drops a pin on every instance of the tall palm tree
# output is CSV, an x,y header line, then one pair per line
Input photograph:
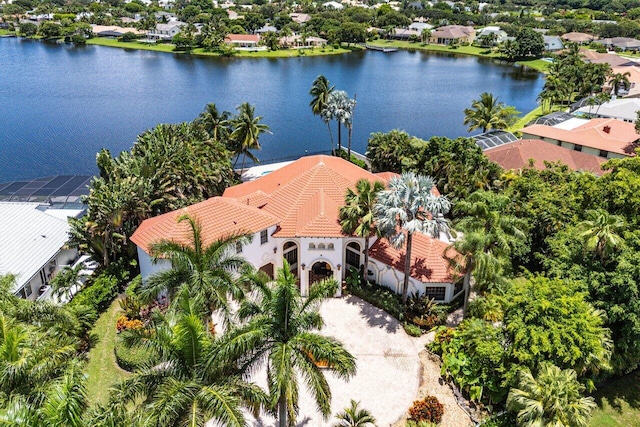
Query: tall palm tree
x,y
487,113
553,398
601,233
205,270
620,81
424,35
180,388
320,91
409,206
246,132
280,331
339,107
354,416
357,216
214,122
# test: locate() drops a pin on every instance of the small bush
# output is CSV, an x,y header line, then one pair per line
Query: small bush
x,y
380,297
429,409
124,323
134,358
99,293
412,330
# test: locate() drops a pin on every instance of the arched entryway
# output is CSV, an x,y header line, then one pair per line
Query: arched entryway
x,y
319,271
268,270
352,257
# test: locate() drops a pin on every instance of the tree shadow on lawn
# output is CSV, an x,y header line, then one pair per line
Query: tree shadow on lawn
x,y
625,389
374,316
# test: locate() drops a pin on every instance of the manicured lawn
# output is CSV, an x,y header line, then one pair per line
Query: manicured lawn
x,y
4,32
536,64
102,370
618,403
532,115
284,53
465,50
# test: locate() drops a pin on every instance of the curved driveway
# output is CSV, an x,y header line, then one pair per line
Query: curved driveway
x,y
387,379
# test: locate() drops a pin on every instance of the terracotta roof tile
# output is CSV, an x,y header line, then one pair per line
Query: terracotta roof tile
x,y
619,138
516,155
218,216
429,264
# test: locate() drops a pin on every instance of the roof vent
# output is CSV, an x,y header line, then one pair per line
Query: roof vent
x,y
607,129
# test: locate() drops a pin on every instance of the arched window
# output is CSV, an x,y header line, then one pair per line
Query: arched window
x,y
352,256
330,246
321,246
312,246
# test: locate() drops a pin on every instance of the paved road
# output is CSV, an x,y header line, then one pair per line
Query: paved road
x,y
387,358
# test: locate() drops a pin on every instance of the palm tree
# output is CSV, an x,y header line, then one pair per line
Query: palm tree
x,y
204,269
601,233
214,122
353,416
246,132
409,206
280,331
620,80
320,91
357,216
487,113
339,107
181,387
424,35
553,398
65,280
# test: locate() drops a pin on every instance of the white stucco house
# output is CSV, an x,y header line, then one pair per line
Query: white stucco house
x,y
33,247
292,213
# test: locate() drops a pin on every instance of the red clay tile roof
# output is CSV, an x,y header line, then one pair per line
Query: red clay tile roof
x,y
219,217
516,155
305,195
619,139
255,38
429,264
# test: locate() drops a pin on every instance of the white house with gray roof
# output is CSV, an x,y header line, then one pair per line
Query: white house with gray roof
x,y
622,109
33,247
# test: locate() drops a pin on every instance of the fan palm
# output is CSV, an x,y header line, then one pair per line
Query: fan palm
x,y
357,216
601,233
487,113
339,107
246,132
553,398
177,389
205,270
280,332
409,206
354,416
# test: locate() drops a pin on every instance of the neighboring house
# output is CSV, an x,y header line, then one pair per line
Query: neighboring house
x,y
623,43
579,38
166,31
606,58
500,35
452,34
419,26
267,29
113,31
608,138
301,42
292,213
34,239
621,109
300,18
552,43
233,15
520,154
333,5
634,81
244,41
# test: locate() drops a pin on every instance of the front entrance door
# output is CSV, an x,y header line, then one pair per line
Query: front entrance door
x,y
319,271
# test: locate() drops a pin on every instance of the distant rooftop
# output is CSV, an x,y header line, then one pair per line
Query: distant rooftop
x,y
61,191
494,138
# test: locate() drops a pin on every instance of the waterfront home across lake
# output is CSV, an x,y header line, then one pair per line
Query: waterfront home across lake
x,y
292,213
244,41
452,34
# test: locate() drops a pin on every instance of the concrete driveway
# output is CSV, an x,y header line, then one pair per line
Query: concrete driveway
x,y
387,379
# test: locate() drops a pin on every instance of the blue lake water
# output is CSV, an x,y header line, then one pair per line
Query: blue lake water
x,y
60,104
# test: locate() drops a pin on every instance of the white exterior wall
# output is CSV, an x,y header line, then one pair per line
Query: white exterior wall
x,y
147,267
258,254
333,256
391,278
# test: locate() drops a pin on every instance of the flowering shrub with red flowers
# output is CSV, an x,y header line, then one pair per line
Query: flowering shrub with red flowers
x,y
429,409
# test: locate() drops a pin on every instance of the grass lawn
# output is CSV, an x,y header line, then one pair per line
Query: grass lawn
x,y
284,53
102,370
536,64
532,115
618,403
464,50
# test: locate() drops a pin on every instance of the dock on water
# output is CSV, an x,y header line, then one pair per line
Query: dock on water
x,y
381,48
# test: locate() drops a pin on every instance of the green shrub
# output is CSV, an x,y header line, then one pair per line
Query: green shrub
x,y
134,358
428,409
425,312
99,294
380,297
412,330
128,37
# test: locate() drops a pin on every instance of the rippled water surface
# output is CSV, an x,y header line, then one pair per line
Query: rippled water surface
x,y
60,104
